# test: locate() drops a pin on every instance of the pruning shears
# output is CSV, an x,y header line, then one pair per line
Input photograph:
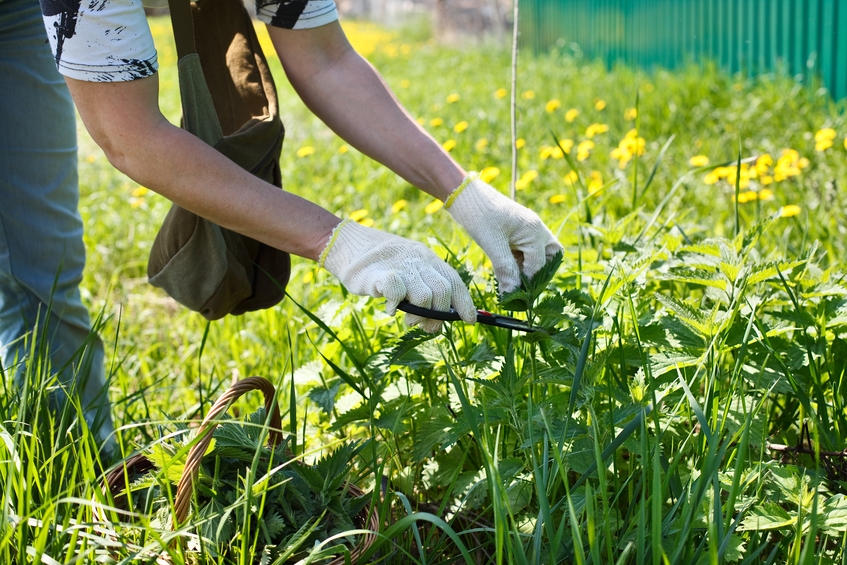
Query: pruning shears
x,y
482,317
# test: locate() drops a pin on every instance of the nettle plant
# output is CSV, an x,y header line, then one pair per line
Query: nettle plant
x,y
252,499
640,423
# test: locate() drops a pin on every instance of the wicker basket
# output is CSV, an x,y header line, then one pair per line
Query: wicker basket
x,y
115,481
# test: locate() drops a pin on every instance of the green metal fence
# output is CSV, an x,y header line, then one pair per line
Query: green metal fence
x,y
806,38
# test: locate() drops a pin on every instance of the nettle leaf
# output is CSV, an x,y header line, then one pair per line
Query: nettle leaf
x,y
771,269
324,396
768,516
834,515
274,523
696,276
521,299
666,361
695,319
408,342
432,431
165,459
482,353
216,526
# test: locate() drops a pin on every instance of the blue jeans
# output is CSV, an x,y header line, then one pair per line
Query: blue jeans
x,y
41,249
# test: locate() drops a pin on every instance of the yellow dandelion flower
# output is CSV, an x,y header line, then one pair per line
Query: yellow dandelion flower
x,y
405,83
827,134
139,191
745,197
453,97
488,174
305,151
461,126
481,144
630,114
712,177
845,144
552,106
595,183
421,121
823,145
566,145
344,149
766,180
500,93
766,194
557,153
528,94
599,104
791,154
136,202
433,206
526,179
92,158
519,143
571,115
435,122
358,215
698,161
583,150
571,178
367,222
557,198
622,154
399,205
802,163
449,145
789,211
530,175
595,129
763,163
632,134
546,152
308,277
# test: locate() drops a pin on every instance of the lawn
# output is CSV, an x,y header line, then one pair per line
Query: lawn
x,y
694,348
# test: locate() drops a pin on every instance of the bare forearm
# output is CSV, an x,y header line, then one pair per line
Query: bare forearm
x,y
349,95
124,119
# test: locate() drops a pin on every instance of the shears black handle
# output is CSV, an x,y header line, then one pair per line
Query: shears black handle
x,y
482,317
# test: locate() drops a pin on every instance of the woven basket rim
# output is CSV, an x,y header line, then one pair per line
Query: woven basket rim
x,y
114,482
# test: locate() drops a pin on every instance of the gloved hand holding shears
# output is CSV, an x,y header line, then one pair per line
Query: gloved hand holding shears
x,y
513,236
378,264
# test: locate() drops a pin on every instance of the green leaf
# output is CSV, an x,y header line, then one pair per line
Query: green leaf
x,y
768,516
521,299
407,343
324,396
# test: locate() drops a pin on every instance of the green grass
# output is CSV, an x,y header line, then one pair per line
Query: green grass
x,y
691,334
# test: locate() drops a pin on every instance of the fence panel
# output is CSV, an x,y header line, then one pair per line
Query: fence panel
x,y
802,38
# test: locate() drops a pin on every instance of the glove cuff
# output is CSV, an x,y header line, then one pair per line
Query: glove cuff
x,y
472,176
331,243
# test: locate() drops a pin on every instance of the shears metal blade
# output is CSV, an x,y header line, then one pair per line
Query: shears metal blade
x,y
482,317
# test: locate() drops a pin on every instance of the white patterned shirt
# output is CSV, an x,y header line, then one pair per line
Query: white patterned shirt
x,y
110,41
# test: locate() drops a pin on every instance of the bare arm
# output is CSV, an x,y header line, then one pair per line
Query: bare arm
x,y
348,94
124,119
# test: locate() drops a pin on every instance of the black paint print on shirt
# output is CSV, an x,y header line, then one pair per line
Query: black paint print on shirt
x,y
287,12
66,26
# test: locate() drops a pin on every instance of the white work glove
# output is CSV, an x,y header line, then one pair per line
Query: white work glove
x,y
374,263
513,236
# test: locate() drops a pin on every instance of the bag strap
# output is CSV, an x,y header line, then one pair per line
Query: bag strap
x,y
183,26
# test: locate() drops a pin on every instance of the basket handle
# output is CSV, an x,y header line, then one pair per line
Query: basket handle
x,y
185,488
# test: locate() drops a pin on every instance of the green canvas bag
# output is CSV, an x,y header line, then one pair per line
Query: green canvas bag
x,y
229,101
